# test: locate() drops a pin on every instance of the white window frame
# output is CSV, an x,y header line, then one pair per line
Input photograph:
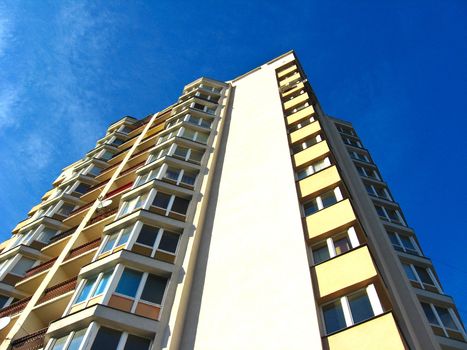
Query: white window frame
x,y
170,204
319,202
326,164
419,280
119,235
386,216
129,209
441,325
401,245
351,234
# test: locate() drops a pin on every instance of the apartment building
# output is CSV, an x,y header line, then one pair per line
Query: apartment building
x,y
240,217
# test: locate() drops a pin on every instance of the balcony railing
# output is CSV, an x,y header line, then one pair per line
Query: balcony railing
x,y
15,308
39,268
32,341
83,248
63,234
118,190
80,209
102,216
58,289
97,186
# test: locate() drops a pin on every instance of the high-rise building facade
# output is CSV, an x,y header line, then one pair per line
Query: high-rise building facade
x,y
240,217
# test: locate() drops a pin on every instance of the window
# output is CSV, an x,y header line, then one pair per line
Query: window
x,y
352,142
403,243
367,172
3,300
117,142
94,171
322,201
423,277
195,135
107,338
442,317
82,188
157,239
71,341
171,203
351,309
198,121
389,214
133,204
142,286
22,266
147,176
115,240
124,129
335,245
300,146
377,191
345,130
180,176
313,168
158,155
46,235
93,286
359,156
66,209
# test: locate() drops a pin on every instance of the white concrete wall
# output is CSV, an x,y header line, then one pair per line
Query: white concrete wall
x,y
257,291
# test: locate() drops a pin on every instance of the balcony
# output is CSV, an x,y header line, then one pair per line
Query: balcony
x,y
301,114
295,101
342,271
311,153
286,71
58,290
103,216
14,308
32,341
39,268
316,182
377,333
330,219
83,248
304,132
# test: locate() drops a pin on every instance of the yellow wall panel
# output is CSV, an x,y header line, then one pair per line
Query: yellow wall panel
x,y
295,101
286,71
311,153
302,114
316,182
289,79
304,132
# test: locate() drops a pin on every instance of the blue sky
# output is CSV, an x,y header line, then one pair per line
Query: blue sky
x,y
396,69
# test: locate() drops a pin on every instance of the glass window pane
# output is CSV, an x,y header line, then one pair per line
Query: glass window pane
x,y
196,156
154,289
110,243
103,283
22,266
77,339
106,338
445,317
84,293
310,207
430,315
407,243
333,317
189,134
129,282
136,343
360,307
181,152
169,242
60,343
180,205
141,200
161,200
125,236
3,300
328,199
203,138
172,174
393,239
320,254
148,235
189,178
424,276
342,245
409,272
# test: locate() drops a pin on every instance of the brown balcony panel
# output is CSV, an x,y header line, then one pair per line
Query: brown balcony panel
x,y
39,268
134,167
58,289
118,190
97,186
15,308
83,248
32,341
80,209
102,216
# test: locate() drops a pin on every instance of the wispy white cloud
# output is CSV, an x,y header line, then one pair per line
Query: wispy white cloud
x,y
6,34
36,150
9,101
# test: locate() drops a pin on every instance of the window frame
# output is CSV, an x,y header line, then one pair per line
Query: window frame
x,y
350,234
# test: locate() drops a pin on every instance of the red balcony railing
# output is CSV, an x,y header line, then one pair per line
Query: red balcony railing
x,y
83,248
32,341
118,190
139,165
39,268
58,289
97,186
103,216
15,308
80,209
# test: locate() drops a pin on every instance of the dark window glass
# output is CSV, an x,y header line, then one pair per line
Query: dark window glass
x,y
328,199
424,275
148,235
129,282
310,207
180,205
82,188
320,254
445,317
181,152
169,242
430,315
106,338
393,239
136,343
161,200
360,307
333,317
380,211
407,243
3,300
154,289
117,142
196,155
